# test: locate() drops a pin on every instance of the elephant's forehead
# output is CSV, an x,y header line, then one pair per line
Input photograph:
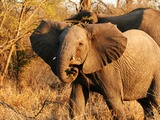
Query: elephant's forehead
x,y
77,32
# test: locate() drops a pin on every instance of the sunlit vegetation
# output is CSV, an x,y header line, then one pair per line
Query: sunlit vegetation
x,y
28,88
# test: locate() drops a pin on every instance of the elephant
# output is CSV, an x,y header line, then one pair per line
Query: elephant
x,y
145,19
100,58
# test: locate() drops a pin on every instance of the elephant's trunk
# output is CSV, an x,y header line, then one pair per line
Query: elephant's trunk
x,y
67,72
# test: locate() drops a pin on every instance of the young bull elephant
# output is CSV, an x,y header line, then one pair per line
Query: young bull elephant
x,y
144,19
100,58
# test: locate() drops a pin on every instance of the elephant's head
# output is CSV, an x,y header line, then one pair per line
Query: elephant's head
x,y
84,17
88,47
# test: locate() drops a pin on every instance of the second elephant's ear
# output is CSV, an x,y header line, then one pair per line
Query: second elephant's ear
x,y
44,40
107,44
84,17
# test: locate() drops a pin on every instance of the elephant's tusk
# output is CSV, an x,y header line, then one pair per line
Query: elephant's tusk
x,y
73,58
54,58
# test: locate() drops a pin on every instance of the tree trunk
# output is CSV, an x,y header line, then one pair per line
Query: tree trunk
x,y
118,3
85,5
129,2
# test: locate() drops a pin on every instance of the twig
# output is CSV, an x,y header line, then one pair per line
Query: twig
x,y
7,106
8,9
34,12
46,102
6,66
8,44
75,5
12,43
105,5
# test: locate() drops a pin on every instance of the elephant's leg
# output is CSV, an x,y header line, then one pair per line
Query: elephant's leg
x,y
78,98
155,96
117,109
154,91
147,108
113,98
112,90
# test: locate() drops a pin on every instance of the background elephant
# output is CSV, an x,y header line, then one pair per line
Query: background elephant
x,y
99,58
144,19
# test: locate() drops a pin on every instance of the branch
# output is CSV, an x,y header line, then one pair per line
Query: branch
x,y
6,66
45,103
8,44
75,5
20,18
105,5
7,106
157,1
8,9
34,12
17,37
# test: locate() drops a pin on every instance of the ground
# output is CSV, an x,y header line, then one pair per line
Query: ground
x,y
39,95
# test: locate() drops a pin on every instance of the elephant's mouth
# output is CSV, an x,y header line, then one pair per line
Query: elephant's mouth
x,y
72,72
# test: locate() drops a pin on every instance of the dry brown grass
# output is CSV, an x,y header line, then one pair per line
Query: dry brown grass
x,y
33,97
39,95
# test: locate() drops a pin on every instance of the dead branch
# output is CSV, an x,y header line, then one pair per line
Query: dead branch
x,y
34,12
7,106
7,11
85,5
6,66
13,46
105,5
77,9
12,43
8,44
45,103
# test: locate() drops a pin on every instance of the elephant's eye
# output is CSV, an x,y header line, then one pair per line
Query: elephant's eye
x,y
58,43
80,44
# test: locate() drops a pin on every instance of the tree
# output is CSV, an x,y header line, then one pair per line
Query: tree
x,y
118,3
129,3
17,21
85,5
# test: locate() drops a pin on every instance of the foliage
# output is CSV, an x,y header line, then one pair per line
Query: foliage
x,y
17,21
38,94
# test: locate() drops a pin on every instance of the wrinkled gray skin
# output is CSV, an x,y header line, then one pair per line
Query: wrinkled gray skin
x,y
100,58
147,20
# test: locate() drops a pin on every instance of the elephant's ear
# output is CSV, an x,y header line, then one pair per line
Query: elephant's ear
x,y
107,44
84,17
44,39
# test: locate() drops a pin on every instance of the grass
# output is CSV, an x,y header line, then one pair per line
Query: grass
x,y
39,95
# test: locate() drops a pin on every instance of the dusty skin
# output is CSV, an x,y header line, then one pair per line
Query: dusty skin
x,y
100,58
145,19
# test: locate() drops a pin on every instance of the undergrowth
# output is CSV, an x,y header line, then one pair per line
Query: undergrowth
x,y
39,95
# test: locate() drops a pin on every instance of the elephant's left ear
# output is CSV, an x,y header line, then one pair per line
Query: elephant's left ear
x,y
44,40
107,45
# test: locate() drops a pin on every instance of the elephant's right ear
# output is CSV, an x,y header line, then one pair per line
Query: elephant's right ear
x,y
44,40
107,44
